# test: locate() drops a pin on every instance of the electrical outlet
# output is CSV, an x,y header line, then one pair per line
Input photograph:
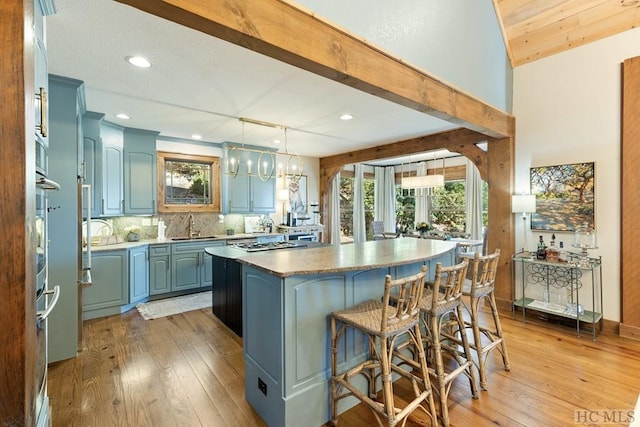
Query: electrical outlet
x,y
262,386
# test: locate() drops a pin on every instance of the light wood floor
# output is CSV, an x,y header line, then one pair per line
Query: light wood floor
x,y
187,370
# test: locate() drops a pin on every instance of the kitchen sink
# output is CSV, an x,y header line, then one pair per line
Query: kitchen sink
x,y
193,238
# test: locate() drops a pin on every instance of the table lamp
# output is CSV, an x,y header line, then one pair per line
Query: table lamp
x,y
524,204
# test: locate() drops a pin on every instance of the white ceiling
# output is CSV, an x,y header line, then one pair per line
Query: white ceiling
x,y
202,85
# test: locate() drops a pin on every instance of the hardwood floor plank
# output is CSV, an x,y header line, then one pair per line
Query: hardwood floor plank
x,y
188,370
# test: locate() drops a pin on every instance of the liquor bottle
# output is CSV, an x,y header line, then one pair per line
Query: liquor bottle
x,y
552,253
562,254
540,253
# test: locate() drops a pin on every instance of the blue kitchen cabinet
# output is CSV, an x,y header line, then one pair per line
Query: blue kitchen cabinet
x,y
159,269
191,268
140,187
92,164
103,146
138,274
109,289
112,169
244,192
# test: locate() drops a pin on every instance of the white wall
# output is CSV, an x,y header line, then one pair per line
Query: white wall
x,y
446,38
567,110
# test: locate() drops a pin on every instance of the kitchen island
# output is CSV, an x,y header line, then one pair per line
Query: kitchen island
x,y
287,296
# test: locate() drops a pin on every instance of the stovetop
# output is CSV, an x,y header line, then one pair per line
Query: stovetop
x,y
268,246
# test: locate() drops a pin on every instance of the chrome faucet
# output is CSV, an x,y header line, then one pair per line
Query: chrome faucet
x,y
192,232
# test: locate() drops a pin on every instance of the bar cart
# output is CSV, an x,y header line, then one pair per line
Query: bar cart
x,y
565,279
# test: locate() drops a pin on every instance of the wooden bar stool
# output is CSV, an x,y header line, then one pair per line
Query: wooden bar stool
x,y
445,332
386,326
480,285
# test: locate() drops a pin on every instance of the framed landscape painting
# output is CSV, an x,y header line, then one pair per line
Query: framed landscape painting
x,y
565,196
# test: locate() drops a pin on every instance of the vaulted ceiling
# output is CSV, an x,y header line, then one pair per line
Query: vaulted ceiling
x,y
186,92
535,29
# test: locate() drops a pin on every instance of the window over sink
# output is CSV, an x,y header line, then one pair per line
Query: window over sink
x,y
188,183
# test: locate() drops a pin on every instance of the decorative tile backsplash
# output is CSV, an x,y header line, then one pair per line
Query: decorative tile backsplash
x,y
207,224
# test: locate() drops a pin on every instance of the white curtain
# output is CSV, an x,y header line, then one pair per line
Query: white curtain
x,y
359,230
473,196
422,196
385,197
333,226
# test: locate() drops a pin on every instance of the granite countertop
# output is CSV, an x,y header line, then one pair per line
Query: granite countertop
x,y
336,258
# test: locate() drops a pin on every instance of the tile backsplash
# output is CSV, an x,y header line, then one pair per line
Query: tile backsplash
x,y
178,224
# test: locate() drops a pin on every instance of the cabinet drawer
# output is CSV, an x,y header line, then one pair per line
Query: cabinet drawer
x,y
159,250
179,248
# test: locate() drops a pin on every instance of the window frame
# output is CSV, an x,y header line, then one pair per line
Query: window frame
x,y
214,190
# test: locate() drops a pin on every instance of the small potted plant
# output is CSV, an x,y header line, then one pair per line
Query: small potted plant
x,y
266,223
423,227
132,233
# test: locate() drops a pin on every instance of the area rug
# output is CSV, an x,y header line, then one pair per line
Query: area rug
x,y
169,306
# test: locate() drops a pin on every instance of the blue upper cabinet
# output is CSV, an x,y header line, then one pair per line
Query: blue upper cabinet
x,y
140,171
41,9
103,146
247,183
112,168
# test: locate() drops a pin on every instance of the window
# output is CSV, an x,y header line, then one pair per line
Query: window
x,y
448,207
188,183
346,205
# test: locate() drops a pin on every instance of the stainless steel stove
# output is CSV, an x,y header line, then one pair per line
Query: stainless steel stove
x,y
268,246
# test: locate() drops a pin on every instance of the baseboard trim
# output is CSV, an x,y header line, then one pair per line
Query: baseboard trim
x,y
628,331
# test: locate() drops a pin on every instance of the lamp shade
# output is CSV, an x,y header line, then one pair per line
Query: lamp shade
x,y
523,203
283,194
423,181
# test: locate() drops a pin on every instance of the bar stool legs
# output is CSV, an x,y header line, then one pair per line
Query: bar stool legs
x,y
481,286
445,333
387,328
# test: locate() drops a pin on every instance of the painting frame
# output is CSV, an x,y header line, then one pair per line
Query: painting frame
x,y
298,197
565,196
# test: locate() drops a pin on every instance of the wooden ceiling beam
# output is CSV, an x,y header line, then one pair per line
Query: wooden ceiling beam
x,y
286,33
461,141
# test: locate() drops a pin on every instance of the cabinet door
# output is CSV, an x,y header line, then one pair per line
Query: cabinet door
x,y
234,297
112,169
239,194
263,195
138,274
186,271
92,159
206,269
159,275
219,288
109,281
41,82
139,172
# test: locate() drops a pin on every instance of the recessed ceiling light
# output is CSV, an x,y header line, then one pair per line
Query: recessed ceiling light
x,y
123,116
138,61
276,141
346,117
196,136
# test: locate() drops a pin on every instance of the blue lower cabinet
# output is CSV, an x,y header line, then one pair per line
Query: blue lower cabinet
x,y
159,269
191,268
110,284
138,274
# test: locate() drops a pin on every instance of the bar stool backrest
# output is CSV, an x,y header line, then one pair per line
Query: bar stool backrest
x,y
447,286
406,294
483,273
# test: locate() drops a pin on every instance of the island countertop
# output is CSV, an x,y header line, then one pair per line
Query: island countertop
x,y
349,257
